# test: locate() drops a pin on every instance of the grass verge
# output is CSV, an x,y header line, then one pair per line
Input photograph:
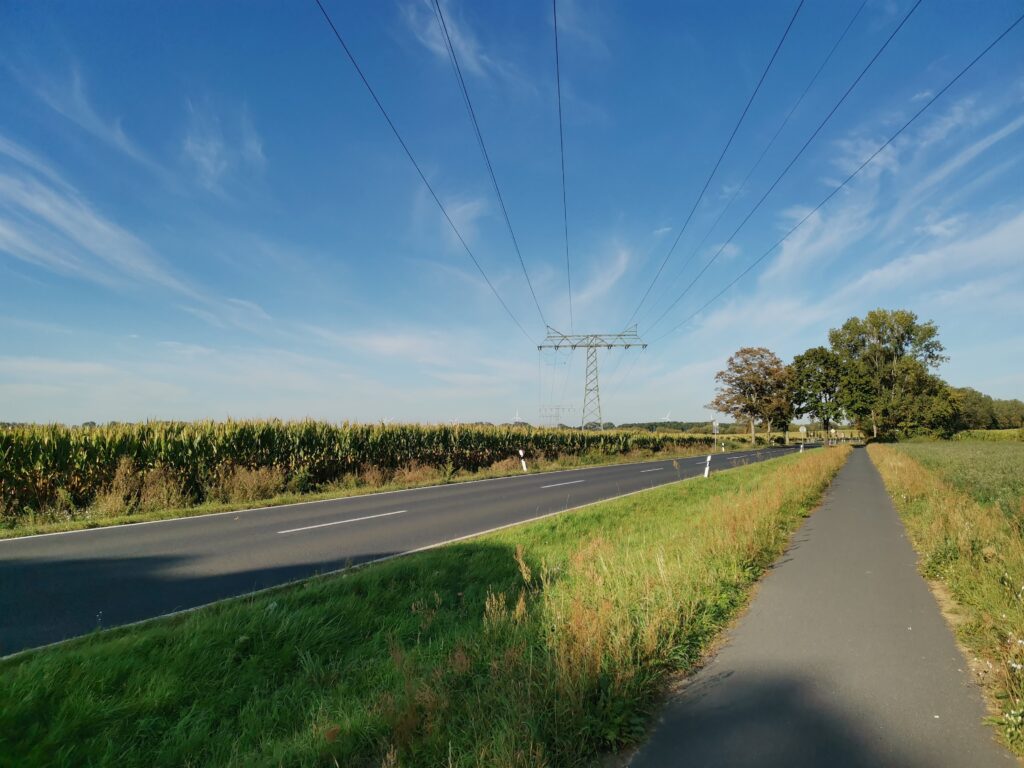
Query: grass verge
x,y
963,506
540,645
411,477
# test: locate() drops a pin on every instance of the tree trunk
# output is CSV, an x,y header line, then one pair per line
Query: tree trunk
x,y
753,436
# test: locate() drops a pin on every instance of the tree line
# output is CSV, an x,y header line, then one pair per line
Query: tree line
x,y
877,373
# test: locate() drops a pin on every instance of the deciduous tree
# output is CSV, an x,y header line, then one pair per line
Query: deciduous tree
x,y
817,376
883,355
752,387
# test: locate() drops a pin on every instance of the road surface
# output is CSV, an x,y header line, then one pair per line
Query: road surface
x,y
843,659
57,586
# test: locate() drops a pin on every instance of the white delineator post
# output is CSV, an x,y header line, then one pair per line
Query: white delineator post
x,y
522,459
707,467
801,447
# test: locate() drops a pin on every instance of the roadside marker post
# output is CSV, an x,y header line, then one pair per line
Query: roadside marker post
x,y
801,447
707,467
522,459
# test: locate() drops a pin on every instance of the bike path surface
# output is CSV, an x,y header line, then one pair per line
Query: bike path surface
x,y
842,660
62,585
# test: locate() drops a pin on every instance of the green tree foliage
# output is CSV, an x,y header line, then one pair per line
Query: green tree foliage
x,y
754,387
817,377
885,359
979,411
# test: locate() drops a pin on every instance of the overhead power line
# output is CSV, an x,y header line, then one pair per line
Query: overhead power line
x,y
790,164
849,178
561,145
718,162
419,171
439,12
771,142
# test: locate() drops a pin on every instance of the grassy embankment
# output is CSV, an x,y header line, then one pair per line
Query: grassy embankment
x,y
542,645
963,505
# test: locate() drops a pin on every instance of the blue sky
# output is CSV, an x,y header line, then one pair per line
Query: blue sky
x,y
202,213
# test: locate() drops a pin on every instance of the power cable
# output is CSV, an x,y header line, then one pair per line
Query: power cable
x,y
439,13
736,192
416,165
849,178
718,162
789,165
561,145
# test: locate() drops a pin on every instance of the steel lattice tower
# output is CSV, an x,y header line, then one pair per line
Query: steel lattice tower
x,y
591,342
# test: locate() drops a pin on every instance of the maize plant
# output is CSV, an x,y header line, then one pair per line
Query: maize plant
x,y
37,463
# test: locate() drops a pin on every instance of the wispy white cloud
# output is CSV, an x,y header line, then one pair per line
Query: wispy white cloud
x,y
430,347
465,213
854,150
994,247
252,143
933,181
30,161
45,221
230,313
48,223
728,250
44,367
204,147
821,239
420,19
603,277
942,228
584,24
214,156
70,99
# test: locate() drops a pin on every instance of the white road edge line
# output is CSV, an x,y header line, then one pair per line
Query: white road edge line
x,y
203,516
555,485
342,522
656,469
337,571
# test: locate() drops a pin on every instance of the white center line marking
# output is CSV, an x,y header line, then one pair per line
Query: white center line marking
x,y
555,485
656,469
342,522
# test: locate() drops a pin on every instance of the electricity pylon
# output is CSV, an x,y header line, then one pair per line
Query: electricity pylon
x,y
591,342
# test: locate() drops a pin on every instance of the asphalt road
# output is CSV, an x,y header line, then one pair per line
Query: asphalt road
x,y
843,659
57,586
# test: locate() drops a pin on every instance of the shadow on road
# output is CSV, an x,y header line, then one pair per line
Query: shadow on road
x,y
766,721
38,607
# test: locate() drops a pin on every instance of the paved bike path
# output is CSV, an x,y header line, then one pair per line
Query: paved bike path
x,y
842,660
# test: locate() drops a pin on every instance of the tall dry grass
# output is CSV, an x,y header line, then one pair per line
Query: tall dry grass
x,y
634,601
542,645
977,551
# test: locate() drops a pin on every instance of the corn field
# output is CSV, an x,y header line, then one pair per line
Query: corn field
x,y
39,464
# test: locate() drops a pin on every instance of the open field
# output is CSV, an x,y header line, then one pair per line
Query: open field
x,y
997,435
990,473
63,478
544,644
963,506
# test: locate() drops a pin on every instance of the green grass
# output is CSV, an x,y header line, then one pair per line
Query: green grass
x,y
545,644
991,435
962,506
988,472
60,520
